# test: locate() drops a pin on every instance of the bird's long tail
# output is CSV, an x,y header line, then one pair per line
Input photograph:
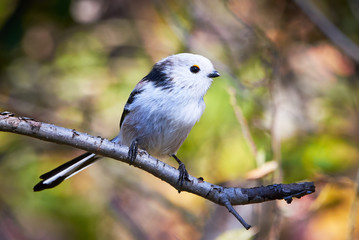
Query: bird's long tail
x,y
58,175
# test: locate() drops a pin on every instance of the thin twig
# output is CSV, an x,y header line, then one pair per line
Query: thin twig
x,y
228,205
242,121
329,29
275,137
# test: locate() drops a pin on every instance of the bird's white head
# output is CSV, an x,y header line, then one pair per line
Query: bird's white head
x,y
184,72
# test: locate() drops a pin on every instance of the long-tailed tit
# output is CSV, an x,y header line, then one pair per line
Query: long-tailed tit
x,y
159,114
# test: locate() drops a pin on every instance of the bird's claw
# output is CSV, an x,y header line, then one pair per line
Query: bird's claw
x,y
183,176
132,152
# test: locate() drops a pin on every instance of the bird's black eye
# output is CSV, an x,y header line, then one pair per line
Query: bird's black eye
x,y
195,69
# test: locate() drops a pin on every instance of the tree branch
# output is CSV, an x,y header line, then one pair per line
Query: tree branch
x,y
220,195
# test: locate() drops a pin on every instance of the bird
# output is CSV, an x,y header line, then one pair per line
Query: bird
x,y
157,117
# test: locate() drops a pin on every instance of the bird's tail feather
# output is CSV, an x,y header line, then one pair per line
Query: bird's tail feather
x,y
56,176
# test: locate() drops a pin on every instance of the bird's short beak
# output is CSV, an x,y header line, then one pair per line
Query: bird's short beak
x,y
214,74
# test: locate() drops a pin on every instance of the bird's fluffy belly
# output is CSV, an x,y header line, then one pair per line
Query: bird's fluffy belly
x,y
162,135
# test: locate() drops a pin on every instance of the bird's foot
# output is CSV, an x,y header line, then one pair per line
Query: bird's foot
x,y
132,152
183,174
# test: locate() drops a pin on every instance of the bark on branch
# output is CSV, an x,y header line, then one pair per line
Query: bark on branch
x,y
225,196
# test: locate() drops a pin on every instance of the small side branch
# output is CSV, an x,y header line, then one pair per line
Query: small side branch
x,y
217,194
228,205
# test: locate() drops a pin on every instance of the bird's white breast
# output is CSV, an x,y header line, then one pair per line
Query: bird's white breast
x,y
162,120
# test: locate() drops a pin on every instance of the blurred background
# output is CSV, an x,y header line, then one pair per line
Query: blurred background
x,y
285,109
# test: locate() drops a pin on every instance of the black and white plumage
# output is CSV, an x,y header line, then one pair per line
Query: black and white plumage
x,y
158,116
